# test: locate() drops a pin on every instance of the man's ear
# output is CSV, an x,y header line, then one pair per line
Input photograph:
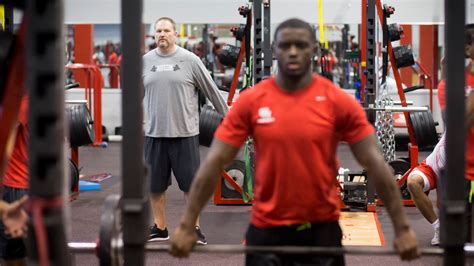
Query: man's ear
x,y
467,51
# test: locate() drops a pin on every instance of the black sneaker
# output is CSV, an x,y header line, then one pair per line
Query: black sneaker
x,y
156,234
201,238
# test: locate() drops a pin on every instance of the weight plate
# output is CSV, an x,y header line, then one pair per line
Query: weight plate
x,y
209,120
110,234
238,177
236,168
73,174
432,133
81,126
416,128
400,167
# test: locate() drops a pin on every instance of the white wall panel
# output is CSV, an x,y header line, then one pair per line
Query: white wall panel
x,y
225,11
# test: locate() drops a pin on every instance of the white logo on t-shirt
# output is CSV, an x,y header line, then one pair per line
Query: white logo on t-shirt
x,y
265,116
320,98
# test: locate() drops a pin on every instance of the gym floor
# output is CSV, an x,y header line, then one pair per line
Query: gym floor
x,y
220,224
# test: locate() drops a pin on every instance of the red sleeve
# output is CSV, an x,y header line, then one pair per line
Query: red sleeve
x,y
23,112
236,126
442,94
351,122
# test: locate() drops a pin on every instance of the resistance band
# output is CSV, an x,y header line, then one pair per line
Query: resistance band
x,y
321,24
181,34
247,187
2,16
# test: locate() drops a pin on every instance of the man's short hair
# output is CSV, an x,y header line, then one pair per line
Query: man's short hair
x,y
469,34
168,19
295,23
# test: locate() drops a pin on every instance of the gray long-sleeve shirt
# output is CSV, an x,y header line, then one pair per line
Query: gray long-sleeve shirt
x,y
171,97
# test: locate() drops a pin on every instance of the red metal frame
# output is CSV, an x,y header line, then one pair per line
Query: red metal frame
x,y
235,78
413,148
83,48
114,74
218,200
93,95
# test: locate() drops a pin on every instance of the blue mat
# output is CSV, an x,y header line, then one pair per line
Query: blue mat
x,y
88,186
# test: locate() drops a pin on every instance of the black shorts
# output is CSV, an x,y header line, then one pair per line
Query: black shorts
x,y
327,234
11,248
163,155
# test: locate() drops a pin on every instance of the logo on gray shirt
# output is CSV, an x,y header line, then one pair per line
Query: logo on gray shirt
x,y
164,68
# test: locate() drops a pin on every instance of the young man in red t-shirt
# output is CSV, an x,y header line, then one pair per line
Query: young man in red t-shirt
x,y
15,186
297,121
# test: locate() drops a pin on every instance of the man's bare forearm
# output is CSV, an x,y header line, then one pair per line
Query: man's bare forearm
x,y
3,207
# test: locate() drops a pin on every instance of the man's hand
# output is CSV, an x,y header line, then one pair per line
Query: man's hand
x,y
182,241
15,218
407,245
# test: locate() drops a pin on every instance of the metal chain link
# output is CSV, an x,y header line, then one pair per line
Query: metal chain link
x,y
384,125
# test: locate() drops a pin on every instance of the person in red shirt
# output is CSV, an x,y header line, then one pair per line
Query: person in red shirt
x,y
297,121
469,76
15,187
469,115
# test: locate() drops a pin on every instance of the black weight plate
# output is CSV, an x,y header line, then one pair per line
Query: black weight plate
x,y
433,135
429,130
81,126
204,119
400,167
422,129
212,125
73,174
110,234
227,191
229,55
216,121
105,135
210,121
416,128
90,125
75,127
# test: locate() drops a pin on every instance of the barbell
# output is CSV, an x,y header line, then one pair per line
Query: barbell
x,y
422,122
399,108
90,247
110,245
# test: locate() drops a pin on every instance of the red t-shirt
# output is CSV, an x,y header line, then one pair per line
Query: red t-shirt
x,y
16,174
296,135
113,58
470,135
